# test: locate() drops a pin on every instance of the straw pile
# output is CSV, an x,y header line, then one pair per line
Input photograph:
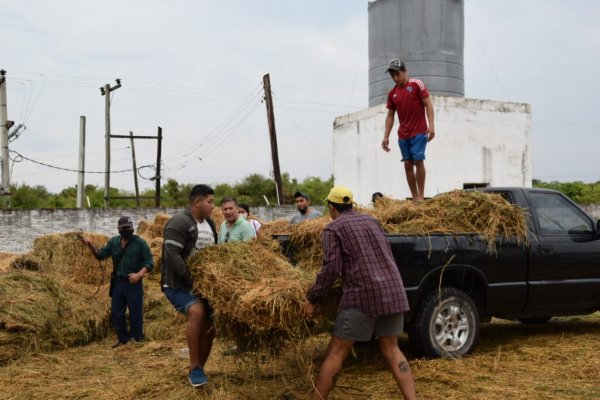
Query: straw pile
x,y
63,254
41,312
153,229
485,214
6,260
152,233
277,227
256,293
161,320
513,361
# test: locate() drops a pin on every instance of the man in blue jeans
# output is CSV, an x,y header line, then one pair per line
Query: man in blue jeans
x,y
186,232
131,259
411,101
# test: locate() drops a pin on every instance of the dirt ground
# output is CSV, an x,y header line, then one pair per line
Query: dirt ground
x,y
556,360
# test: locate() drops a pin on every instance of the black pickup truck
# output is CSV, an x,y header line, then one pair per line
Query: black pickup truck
x,y
454,283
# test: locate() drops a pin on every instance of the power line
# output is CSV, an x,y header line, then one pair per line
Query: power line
x,y
171,89
68,169
223,126
299,127
481,47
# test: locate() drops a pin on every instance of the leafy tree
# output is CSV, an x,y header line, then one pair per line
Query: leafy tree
x,y
223,190
251,190
579,192
25,196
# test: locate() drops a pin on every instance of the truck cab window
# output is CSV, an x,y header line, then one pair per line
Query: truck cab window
x,y
556,216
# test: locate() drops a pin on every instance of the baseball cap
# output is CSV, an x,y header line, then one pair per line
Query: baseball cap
x,y
340,195
125,222
301,194
395,65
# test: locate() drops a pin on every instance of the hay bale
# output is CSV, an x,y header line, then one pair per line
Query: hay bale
x,y
41,312
485,214
161,320
152,230
306,241
6,260
27,262
155,245
65,255
218,217
256,293
277,227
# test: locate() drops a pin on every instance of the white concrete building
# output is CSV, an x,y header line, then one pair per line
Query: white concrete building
x,y
477,143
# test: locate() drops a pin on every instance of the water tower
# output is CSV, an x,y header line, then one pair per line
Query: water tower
x,y
428,35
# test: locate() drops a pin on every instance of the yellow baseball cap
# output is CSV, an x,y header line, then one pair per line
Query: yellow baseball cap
x,y
340,195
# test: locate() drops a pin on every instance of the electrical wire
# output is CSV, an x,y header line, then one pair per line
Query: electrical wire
x,y
299,127
238,115
68,169
482,48
158,88
22,114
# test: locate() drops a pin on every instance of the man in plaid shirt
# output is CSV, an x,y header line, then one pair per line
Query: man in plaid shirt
x,y
373,299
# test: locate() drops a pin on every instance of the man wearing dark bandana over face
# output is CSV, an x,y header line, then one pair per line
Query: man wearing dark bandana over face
x,y
131,259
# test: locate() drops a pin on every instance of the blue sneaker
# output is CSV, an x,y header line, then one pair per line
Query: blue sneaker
x,y
197,377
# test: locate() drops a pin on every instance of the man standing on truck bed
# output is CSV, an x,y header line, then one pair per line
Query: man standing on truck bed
x,y
373,296
411,100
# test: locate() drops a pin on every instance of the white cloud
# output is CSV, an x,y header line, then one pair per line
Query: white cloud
x,y
188,65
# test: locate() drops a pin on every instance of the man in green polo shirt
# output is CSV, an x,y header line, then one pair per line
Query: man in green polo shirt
x,y
131,259
234,228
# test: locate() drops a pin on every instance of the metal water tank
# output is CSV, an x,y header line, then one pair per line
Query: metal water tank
x,y
428,35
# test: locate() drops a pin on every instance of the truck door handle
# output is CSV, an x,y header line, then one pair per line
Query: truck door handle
x,y
547,249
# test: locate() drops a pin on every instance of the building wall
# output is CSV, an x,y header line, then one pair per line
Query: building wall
x,y
593,210
21,227
477,141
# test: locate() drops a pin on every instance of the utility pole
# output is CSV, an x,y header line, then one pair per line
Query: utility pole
x,y
135,172
5,189
157,175
81,168
105,91
273,137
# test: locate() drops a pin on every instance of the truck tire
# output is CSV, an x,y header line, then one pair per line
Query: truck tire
x,y
445,325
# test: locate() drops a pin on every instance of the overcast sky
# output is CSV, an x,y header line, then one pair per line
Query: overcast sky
x,y
195,68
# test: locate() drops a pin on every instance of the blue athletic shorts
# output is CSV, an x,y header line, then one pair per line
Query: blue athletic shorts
x,y
413,148
182,300
352,324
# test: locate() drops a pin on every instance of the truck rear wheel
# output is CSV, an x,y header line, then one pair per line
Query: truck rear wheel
x,y
445,325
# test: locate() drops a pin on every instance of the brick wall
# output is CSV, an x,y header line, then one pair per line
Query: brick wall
x,y
18,228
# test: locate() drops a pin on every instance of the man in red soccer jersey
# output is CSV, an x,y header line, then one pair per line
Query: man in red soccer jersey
x,y
411,100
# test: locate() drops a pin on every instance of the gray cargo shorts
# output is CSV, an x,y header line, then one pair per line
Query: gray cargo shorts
x,y
352,324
